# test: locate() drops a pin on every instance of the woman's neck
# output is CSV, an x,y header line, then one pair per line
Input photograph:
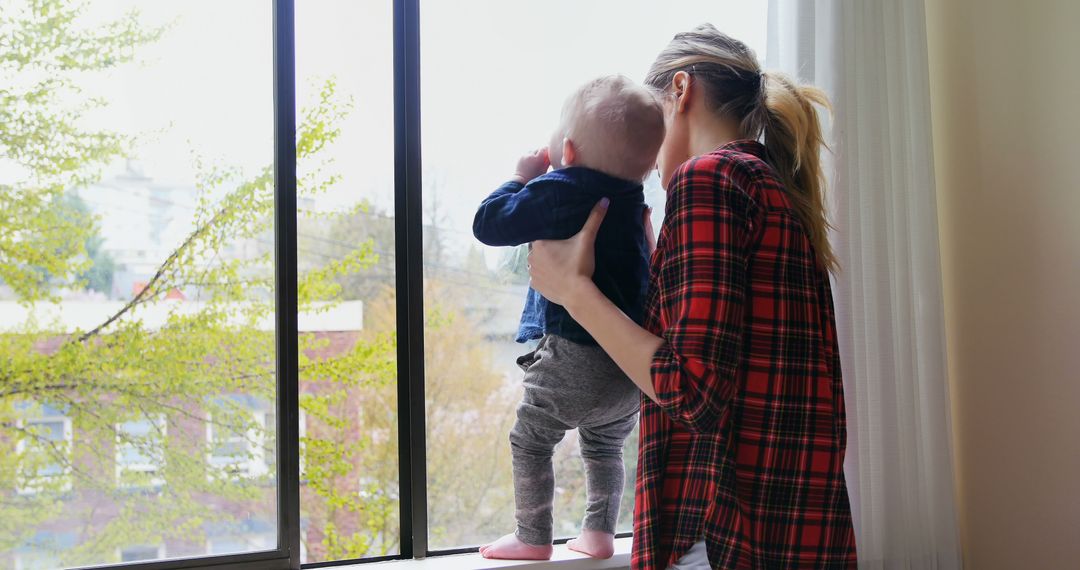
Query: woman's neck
x,y
710,141
711,134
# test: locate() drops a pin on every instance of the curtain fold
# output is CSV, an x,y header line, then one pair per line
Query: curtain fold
x,y
870,56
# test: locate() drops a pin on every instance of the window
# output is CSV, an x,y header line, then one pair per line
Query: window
x,y
140,553
238,442
36,561
492,89
138,145
344,64
190,213
43,449
140,453
42,551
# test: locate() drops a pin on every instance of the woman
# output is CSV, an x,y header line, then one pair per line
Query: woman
x,y
743,428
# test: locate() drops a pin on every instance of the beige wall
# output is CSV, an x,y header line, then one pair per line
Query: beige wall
x,y
1005,82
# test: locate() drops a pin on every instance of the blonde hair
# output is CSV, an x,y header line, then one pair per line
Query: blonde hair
x,y
616,126
768,106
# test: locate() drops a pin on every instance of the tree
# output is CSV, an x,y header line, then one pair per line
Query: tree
x,y
41,53
197,368
42,236
362,224
98,275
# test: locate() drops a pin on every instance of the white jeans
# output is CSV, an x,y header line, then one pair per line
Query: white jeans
x,y
695,559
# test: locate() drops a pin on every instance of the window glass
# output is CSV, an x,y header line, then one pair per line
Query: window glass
x,y
494,76
240,543
136,278
348,372
36,561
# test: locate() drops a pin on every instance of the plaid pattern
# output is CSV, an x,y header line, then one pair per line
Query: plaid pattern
x,y
746,445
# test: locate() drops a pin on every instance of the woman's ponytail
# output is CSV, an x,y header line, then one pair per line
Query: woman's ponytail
x,y
767,106
793,144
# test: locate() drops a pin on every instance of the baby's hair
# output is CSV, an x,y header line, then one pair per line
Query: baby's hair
x,y
615,125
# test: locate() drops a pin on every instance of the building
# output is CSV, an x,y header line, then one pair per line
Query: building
x,y
139,471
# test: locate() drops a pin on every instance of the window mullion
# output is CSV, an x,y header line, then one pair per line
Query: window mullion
x,y
285,275
409,286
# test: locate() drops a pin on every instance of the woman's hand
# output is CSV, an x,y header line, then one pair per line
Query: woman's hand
x,y
561,270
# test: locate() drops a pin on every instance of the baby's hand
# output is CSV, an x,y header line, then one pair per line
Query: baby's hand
x,y
532,165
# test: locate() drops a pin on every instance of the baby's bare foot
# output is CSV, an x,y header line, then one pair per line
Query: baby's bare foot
x,y
510,547
595,543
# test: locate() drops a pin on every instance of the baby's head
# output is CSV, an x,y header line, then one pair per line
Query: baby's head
x,y
612,125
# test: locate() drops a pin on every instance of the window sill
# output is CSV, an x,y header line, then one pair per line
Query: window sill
x,y
563,559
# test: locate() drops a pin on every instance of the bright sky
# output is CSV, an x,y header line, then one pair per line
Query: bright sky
x,y
494,76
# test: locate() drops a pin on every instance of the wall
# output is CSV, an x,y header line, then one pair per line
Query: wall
x,y
1005,82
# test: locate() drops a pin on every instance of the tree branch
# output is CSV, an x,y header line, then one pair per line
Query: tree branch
x,y
146,291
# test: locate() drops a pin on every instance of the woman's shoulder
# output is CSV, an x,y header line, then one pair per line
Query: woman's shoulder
x,y
744,159
739,163
716,175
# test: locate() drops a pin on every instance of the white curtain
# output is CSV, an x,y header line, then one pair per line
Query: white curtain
x,y
870,56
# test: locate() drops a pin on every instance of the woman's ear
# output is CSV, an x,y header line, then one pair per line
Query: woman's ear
x,y
680,88
569,153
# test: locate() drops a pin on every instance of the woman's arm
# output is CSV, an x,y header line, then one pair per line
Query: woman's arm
x,y
690,371
629,345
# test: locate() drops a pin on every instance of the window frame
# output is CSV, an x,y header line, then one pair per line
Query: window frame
x,y
409,227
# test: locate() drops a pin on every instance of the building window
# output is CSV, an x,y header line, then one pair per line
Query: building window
x,y
231,544
36,561
140,453
43,551
141,552
44,448
237,442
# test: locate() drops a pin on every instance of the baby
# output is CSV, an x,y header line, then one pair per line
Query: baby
x,y
607,142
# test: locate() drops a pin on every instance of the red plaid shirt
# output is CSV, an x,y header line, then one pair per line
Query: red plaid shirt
x,y
746,445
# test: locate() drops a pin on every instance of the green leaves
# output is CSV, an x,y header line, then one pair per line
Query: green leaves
x,y
43,236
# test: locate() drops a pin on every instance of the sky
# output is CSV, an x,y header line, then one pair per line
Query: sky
x,y
494,74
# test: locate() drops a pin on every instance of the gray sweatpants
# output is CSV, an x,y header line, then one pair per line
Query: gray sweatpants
x,y
567,386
